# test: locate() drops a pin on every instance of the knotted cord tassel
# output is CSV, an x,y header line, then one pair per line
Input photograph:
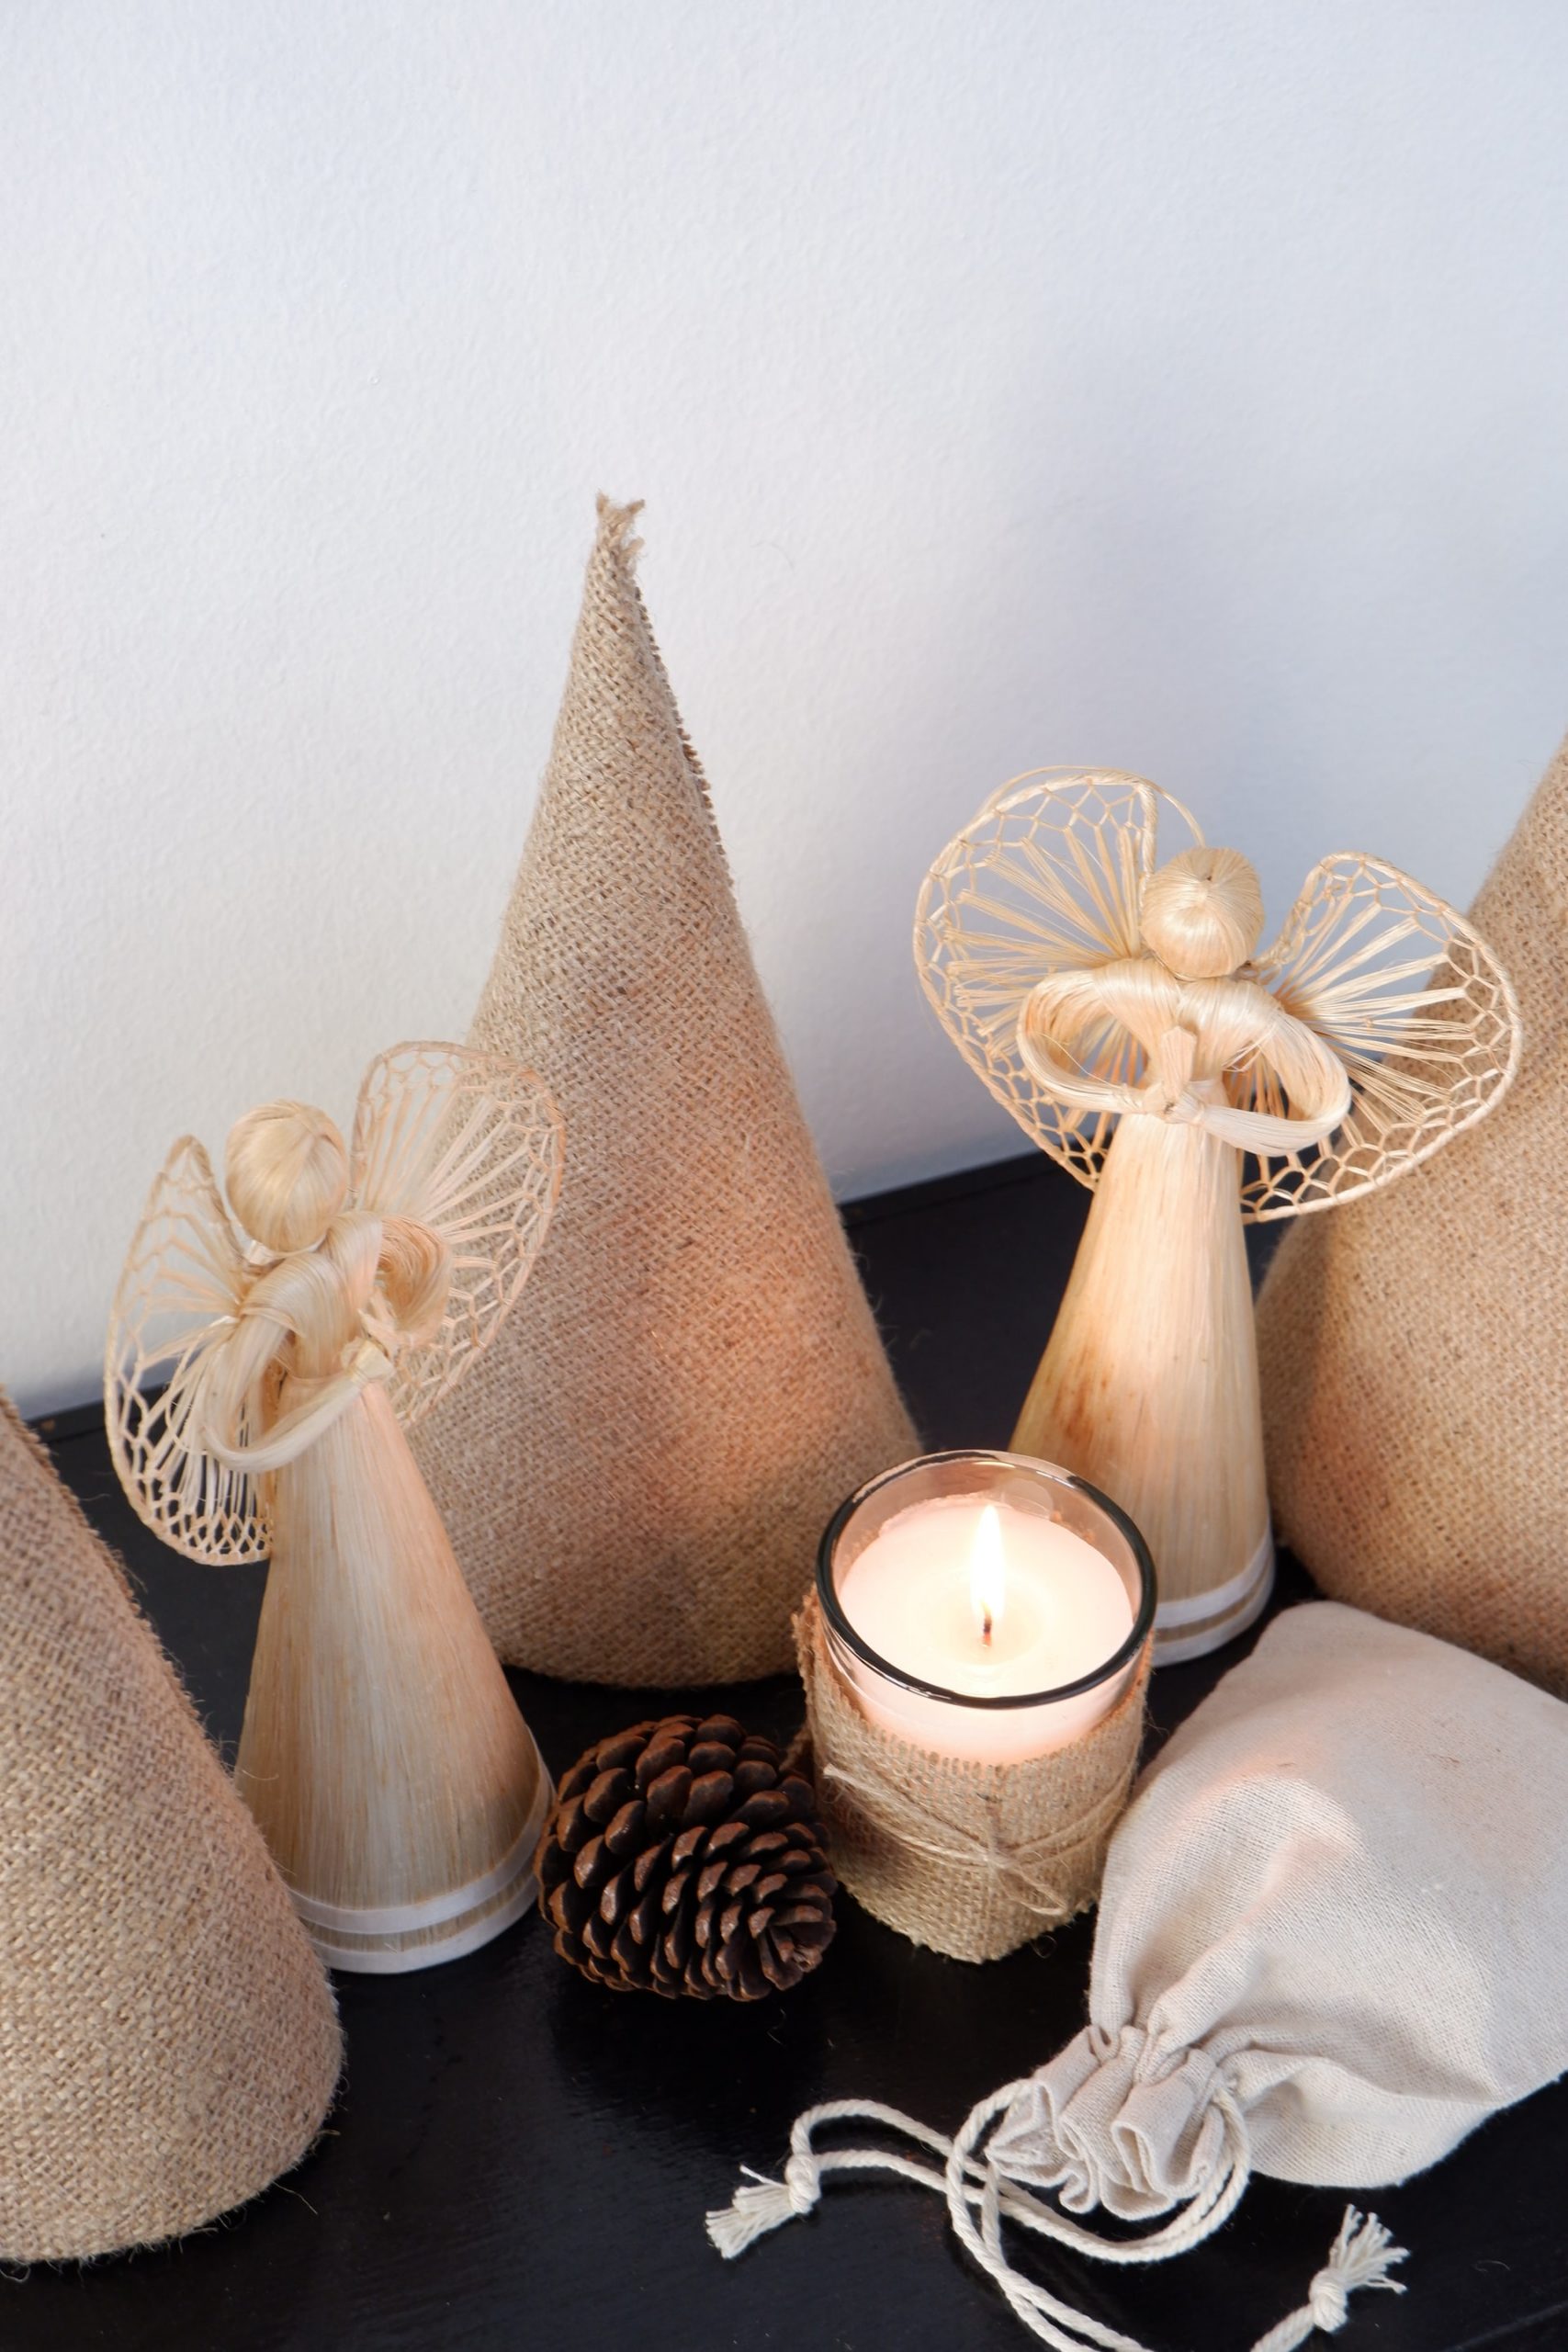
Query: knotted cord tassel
x,y
1361,2256
760,2205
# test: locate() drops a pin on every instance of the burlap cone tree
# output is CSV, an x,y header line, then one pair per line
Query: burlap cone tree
x,y
1412,1344
168,2043
636,1476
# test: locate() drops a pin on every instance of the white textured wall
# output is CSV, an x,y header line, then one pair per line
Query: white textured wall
x,y
1181,386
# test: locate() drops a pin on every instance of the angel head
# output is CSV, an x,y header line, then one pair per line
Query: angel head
x,y
1202,912
286,1174
1060,878
395,1260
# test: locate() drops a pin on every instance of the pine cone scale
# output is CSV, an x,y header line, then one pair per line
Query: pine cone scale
x,y
682,1858
623,1836
710,1796
607,1793
667,1797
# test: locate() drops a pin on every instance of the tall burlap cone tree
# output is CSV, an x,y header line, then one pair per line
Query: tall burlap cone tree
x,y
636,1476
168,2043
1412,1344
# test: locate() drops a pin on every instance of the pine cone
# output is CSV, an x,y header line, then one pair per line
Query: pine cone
x,y
682,1856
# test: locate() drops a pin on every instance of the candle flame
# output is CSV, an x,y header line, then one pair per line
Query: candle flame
x,y
987,1573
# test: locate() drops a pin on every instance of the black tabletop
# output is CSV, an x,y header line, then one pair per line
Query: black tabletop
x,y
519,2159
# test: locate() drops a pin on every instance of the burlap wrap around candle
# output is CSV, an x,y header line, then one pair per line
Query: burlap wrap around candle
x,y
634,1477
168,2043
970,1859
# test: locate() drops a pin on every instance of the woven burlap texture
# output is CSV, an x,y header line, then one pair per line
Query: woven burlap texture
x,y
636,1476
1411,1345
972,1859
168,2043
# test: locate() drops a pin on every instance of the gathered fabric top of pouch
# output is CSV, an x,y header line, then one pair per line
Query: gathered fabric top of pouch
x,y
1115,2122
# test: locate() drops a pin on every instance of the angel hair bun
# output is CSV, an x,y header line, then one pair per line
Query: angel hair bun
x,y
1202,912
287,1172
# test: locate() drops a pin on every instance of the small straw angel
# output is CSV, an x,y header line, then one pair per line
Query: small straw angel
x,y
1118,1008
382,1754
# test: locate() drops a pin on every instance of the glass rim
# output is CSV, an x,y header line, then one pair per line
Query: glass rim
x,y
990,1702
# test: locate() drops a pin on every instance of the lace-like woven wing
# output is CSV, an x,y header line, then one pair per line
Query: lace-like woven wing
x,y
1048,876
177,1298
470,1145
1416,1007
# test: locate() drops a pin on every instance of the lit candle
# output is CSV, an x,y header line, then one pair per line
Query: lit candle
x,y
990,1604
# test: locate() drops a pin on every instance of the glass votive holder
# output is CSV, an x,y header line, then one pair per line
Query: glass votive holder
x,y
909,1574
976,1653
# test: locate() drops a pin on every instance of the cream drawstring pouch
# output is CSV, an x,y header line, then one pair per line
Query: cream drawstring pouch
x,y
1330,1943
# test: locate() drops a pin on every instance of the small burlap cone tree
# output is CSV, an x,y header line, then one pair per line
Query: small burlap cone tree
x,y
636,1476
168,2044
1412,1345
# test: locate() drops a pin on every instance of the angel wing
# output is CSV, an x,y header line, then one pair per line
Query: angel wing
x,y
1414,1004
471,1146
177,1298
1048,876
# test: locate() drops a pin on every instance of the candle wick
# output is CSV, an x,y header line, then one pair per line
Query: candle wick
x,y
985,1627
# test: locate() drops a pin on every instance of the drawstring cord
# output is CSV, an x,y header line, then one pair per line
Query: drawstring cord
x,y
765,2204
979,2203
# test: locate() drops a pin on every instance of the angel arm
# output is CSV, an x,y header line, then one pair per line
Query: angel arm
x,y
307,1297
1190,1032
1067,1024
1305,1083
1316,1082
1271,1135
236,1373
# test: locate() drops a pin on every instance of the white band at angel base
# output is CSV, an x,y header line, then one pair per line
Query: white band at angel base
x,y
1256,1579
515,1870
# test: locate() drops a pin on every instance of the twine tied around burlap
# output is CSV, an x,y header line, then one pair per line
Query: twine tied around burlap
x,y
968,1858
1022,1872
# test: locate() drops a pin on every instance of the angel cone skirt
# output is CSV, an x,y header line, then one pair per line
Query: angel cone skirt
x,y
1149,1385
398,1788
168,2043
1412,1344
637,1476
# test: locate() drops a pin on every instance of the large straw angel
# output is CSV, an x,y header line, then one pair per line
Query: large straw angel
x,y
1118,1008
382,1754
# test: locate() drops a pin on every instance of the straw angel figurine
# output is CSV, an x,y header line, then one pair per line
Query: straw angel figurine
x,y
1119,1009
398,1788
